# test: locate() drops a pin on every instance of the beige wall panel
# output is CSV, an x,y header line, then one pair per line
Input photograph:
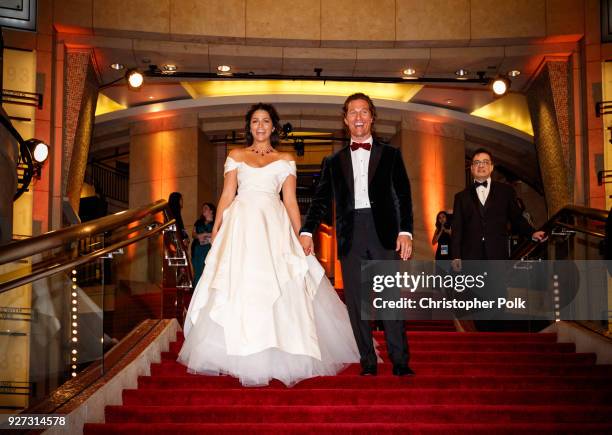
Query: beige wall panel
x,y
288,19
564,17
145,163
435,177
381,60
303,60
366,20
208,18
71,13
510,19
419,20
133,15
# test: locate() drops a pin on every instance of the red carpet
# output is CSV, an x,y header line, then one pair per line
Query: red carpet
x,y
466,383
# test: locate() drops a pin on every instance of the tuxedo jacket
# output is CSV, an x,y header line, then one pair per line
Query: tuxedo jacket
x,y
481,232
388,191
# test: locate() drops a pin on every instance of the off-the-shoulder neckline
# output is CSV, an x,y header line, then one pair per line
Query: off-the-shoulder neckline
x,y
264,166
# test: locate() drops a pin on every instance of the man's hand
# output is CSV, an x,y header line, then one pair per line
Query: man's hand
x,y
539,236
456,264
404,247
307,244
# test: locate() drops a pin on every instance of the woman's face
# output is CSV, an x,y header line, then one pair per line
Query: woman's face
x,y
442,218
261,126
207,212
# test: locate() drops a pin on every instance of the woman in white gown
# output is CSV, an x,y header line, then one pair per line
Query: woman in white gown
x,y
263,309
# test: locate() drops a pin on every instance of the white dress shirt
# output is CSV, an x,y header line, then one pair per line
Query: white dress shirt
x,y
483,192
360,159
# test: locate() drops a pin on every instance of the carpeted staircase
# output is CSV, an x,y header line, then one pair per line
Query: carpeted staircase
x,y
466,383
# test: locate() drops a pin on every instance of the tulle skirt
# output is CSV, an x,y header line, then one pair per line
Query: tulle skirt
x,y
263,310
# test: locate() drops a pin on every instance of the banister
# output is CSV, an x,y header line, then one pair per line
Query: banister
x,y
25,248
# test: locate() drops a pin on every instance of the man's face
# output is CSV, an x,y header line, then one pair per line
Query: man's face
x,y
359,120
482,166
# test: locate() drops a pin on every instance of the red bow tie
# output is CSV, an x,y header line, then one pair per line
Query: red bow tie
x,y
356,145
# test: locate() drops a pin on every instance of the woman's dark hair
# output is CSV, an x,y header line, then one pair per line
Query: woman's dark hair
x,y
174,205
438,218
212,208
274,137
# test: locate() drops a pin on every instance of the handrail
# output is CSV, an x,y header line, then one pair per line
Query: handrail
x,y
25,248
80,260
575,210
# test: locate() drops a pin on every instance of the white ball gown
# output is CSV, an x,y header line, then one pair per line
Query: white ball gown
x,y
263,310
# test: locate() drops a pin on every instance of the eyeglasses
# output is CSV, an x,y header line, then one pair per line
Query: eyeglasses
x,y
481,162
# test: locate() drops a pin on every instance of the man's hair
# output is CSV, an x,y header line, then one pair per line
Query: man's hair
x,y
483,151
359,96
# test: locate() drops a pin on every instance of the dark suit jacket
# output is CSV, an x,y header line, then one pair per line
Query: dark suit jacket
x,y
472,222
388,190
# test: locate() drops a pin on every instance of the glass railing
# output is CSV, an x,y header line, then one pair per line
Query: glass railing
x,y
577,234
70,296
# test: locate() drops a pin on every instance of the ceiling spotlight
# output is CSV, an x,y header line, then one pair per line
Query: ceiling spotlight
x,y
449,101
38,149
224,68
168,68
462,74
409,72
135,79
117,66
514,73
500,85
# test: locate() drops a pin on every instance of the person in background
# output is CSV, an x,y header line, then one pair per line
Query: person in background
x,y
200,245
175,204
442,236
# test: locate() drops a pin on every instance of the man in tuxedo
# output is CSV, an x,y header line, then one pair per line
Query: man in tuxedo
x,y
368,182
481,214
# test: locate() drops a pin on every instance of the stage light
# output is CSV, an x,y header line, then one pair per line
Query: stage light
x,y
39,150
462,74
500,86
298,145
135,79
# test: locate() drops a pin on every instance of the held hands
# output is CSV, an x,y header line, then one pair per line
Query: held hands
x,y
404,247
307,244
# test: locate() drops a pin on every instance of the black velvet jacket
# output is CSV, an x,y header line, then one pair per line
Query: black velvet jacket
x,y
388,190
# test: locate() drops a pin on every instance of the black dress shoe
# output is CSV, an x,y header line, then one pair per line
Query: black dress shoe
x,y
369,371
402,370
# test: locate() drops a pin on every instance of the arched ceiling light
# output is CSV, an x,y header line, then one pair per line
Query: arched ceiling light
x,y
500,86
168,68
224,70
135,79
514,73
462,74
409,74
117,66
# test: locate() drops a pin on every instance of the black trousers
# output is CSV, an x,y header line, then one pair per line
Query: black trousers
x,y
366,246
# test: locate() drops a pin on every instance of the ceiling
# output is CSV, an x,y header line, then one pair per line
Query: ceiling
x,y
220,119
439,62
